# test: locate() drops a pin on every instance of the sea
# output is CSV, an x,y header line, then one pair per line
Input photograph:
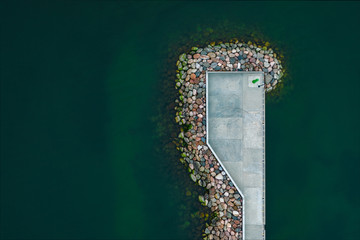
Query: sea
x,y
88,137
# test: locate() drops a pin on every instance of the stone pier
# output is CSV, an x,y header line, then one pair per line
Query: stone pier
x,y
235,122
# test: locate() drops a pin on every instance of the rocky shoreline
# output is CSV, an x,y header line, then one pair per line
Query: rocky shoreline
x,y
222,196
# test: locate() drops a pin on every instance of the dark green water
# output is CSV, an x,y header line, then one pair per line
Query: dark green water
x,y
86,125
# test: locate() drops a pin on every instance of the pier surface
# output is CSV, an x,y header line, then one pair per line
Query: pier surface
x,y
236,135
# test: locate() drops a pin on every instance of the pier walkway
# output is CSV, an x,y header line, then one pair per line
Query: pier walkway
x,y
235,120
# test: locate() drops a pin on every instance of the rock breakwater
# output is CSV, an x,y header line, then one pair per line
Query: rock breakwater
x,y
222,196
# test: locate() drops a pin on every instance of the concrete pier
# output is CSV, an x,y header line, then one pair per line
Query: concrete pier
x,y
235,120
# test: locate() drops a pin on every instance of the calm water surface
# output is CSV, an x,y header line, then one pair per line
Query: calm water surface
x,y
86,147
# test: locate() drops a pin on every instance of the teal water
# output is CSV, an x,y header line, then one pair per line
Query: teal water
x,y
87,131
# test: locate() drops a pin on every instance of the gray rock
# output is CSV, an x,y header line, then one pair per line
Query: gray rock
x,y
236,213
213,65
268,78
196,165
219,177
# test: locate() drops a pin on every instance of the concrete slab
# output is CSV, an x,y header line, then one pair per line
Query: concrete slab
x,y
226,128
253,205
236,134
228,149
250,157
230,108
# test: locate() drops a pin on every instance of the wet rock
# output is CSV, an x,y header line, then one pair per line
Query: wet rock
x,y
182,57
